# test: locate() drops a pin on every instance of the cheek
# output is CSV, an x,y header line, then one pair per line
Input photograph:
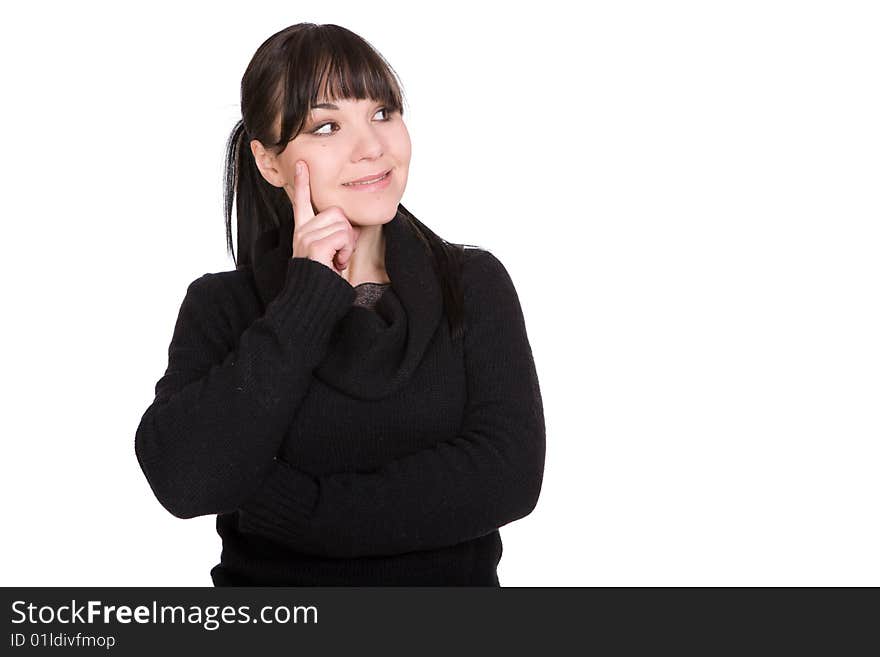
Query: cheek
x,y
321,183
323,194
405,155
404,145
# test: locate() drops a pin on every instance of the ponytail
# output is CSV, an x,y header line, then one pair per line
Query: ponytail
x,y
259,205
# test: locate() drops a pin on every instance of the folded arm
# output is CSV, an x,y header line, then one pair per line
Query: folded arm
x,y
486,476
223,406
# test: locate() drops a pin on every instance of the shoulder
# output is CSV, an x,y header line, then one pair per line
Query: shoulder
x,y
229,293
490,297
235,281
484,274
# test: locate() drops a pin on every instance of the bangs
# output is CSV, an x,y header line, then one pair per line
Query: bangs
x,y
347,79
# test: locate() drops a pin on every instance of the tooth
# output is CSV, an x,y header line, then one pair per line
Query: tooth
x,y
367,182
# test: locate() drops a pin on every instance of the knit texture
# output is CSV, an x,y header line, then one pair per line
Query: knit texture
x,y
343,444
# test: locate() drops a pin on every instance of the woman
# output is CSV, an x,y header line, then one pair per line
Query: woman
x,y
356,401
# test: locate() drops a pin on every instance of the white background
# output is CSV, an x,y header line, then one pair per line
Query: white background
x,y
684,193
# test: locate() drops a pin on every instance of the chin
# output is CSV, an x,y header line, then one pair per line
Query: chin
x,y
381,214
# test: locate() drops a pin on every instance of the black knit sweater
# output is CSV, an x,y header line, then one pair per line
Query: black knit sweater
x,y
345,445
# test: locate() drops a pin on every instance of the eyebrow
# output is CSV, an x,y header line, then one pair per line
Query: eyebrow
x,y
325,106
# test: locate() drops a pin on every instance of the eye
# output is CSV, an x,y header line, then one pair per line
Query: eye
x,y
385,110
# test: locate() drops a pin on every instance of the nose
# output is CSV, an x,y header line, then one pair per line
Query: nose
x,y
367,144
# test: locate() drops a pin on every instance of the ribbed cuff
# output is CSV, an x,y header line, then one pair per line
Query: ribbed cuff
x,y
281,508
313,299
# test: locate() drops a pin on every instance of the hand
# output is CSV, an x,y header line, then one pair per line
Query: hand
x,y
327,237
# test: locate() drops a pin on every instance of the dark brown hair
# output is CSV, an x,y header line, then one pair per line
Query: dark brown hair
x,y
285,77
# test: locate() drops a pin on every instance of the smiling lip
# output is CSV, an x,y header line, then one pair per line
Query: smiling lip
x,y
375,175
379,185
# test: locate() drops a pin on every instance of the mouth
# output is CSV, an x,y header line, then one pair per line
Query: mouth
x,y
378,182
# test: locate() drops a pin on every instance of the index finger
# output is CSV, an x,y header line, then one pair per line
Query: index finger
x,y
302,193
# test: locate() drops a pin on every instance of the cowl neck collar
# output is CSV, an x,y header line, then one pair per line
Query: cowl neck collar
x,y
372,352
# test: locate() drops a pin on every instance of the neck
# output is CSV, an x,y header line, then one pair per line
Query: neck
x,y
367,263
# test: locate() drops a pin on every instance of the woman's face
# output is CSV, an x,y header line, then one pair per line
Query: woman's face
x,y
349,140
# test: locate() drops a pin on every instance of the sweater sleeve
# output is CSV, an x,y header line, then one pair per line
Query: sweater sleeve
x,y
486,476
221,409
